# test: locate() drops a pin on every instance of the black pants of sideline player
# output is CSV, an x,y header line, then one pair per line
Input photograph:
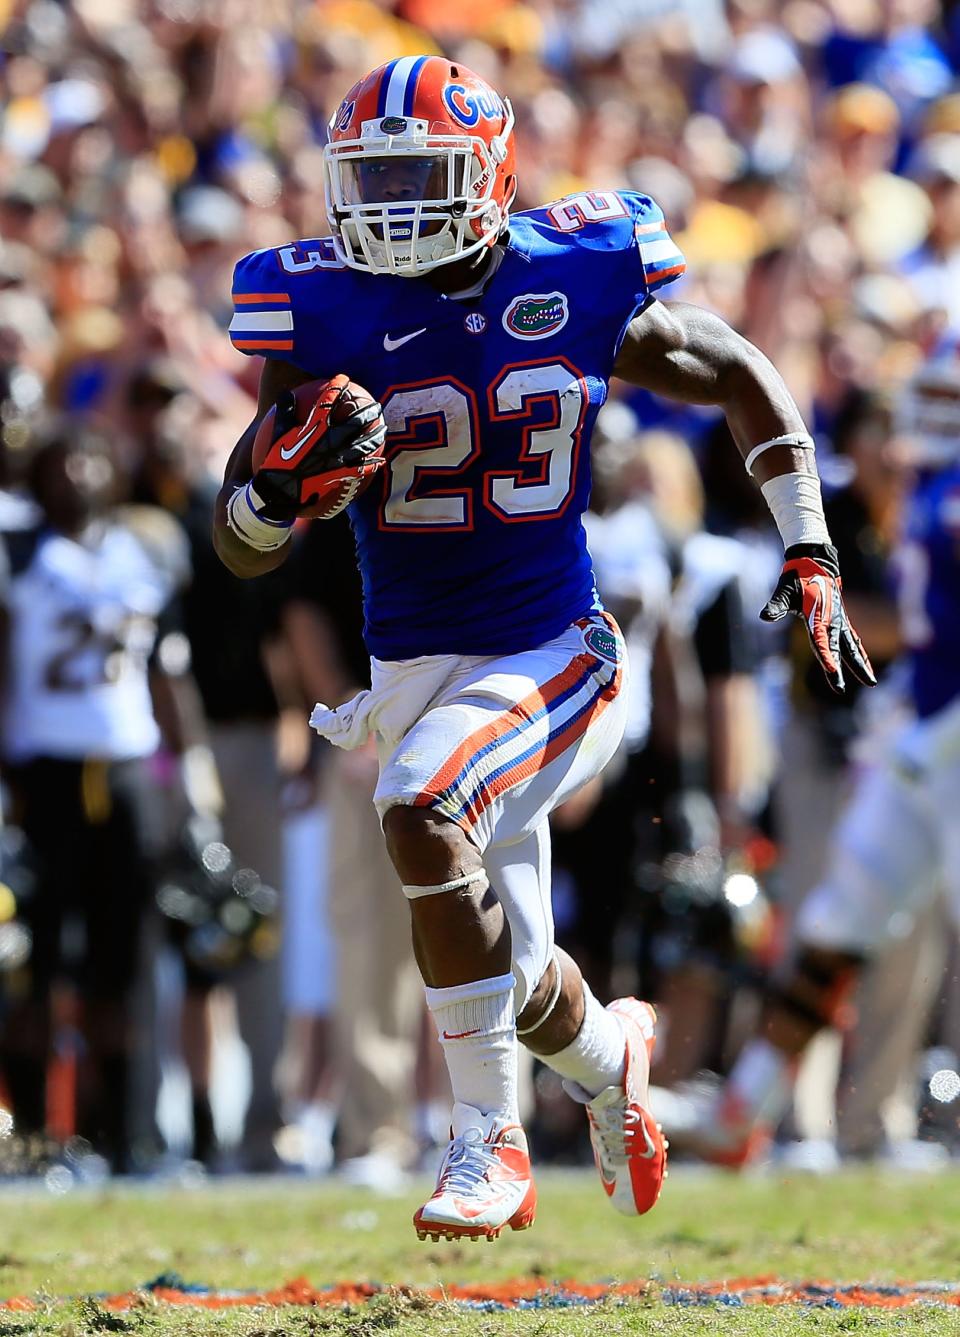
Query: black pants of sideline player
x,y
87,824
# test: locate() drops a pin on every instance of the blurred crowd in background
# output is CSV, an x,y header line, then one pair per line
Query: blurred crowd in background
x,y
220,876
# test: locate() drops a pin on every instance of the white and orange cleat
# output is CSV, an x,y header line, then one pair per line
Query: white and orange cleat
x,y
730,1134
629,1148
730,1123
485,1181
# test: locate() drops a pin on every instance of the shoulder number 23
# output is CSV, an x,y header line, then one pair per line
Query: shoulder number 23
x,y
442,419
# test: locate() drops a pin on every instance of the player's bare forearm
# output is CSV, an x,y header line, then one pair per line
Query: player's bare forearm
x,y
686,353
239,557
689,354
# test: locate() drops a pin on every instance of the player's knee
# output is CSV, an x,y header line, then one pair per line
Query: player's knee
x,y
819,986
415,835
427,849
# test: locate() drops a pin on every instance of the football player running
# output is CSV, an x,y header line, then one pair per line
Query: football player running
x,y
898,841
497,678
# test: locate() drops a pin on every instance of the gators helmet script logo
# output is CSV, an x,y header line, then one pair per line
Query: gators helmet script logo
x,y
536,315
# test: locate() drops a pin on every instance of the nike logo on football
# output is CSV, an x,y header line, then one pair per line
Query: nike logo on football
x,y
391,344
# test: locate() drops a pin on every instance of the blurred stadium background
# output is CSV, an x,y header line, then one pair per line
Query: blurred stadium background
x,y
217,972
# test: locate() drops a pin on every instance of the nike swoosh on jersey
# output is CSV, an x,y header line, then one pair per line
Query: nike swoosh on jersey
x,y
391,344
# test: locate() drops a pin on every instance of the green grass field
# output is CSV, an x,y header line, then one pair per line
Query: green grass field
x,y
856,1227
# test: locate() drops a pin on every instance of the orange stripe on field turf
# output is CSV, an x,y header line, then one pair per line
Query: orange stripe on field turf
x,y
534,1292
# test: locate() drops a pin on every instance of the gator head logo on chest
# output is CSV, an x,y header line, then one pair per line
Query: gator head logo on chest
x,y
536,315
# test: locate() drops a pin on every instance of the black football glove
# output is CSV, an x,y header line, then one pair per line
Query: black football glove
x,y
329,453
811,589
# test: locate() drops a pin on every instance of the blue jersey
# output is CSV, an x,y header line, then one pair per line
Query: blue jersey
x,y
928,565
471,541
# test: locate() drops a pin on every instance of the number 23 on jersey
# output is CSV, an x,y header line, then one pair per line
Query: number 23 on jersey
x,y
441,420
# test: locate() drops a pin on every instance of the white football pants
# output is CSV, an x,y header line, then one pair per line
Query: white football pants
x,y
494,744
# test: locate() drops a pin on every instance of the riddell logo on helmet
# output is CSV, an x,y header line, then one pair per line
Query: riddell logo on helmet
x,y
482,179
469,107
536,315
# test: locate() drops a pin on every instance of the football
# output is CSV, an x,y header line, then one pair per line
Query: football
x,y
324,490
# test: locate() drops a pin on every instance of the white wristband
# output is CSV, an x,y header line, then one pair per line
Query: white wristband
x,y
244,518
797,508
799,441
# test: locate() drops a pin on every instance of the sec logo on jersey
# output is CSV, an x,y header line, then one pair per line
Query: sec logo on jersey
x,y
475,322
536,315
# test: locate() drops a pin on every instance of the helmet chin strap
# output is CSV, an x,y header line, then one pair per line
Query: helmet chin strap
x,y
480,269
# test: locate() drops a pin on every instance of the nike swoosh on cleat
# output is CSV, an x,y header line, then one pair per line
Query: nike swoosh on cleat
x,y
497,1196
471,1213
651,1150
391,344
608,1184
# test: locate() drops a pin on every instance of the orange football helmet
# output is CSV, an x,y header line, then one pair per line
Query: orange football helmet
x,y
419,169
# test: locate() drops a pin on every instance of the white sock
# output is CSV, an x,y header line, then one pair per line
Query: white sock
x,y
478,1032
762,1079
317,1124
595,1059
